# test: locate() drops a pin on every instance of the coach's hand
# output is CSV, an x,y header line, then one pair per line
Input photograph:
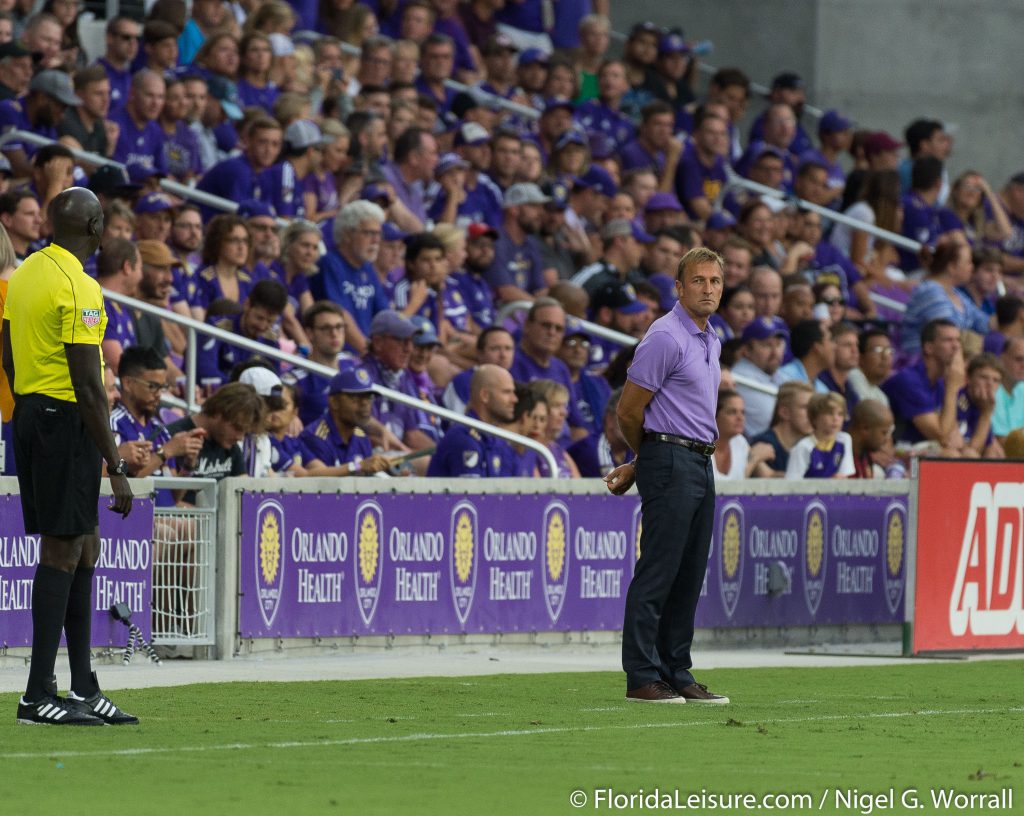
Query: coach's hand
x,y
122,496
621,479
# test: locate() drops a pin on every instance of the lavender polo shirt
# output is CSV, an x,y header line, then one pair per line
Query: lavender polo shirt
x,y
679,363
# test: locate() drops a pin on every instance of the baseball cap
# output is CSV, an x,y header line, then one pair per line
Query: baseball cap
x,y
153,203
471,133
481,230
526,192
352,380
880,142
265,381
449,161
617,295
303,134
834,122
598,179
666,286
391,323
140,173
723,219
621,226
788,81
764,328
462,103
226,92
574,327
760,149
556,102
251,208
660,202
109,179
56,84
426,334
571,136
559,194
499,42
156,253
532,56
672,43
646,27
389,231
376,193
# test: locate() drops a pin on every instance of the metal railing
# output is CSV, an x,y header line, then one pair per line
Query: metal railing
x,y
194,328
184,560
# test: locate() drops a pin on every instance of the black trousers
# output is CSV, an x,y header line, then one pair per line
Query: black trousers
x,y
677,489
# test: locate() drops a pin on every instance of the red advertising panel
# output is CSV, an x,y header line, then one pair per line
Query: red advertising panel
x,y
970,556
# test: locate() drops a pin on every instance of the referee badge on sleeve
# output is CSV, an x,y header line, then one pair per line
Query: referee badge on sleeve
x,y
91,317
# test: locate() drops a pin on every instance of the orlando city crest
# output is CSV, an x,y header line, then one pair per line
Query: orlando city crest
x,y
369,553
556,557
464,557
731,532
894,554
269,560
815,554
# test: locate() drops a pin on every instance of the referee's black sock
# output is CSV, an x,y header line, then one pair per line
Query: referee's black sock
x,y
50,591
78,631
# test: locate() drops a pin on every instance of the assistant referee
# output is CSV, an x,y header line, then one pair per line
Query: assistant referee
x,y
53,327
667,416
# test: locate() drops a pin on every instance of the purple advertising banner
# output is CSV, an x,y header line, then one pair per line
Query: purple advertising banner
x,y
123,573
315,565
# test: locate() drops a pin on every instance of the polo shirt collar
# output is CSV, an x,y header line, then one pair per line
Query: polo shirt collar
x,y
64,256
687,322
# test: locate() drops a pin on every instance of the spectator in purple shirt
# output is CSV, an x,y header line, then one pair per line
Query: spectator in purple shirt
x,y
324,323
604,114
159,46
787,89
141,139
119,269
50,93
702,169
182,158
122,45
415,157
920,209
436,65
235,178
653,139
281,184
255,87
517,272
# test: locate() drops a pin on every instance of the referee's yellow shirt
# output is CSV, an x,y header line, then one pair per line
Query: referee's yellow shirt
x,y
50,302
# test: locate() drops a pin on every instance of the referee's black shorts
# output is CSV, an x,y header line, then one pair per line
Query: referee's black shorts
x,y
59,467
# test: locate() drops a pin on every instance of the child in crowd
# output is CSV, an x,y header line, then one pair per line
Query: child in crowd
x,y
827,453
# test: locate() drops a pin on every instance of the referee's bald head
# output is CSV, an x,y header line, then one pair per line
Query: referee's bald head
x,y
77,220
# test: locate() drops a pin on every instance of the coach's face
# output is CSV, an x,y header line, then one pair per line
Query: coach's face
x,y
700,290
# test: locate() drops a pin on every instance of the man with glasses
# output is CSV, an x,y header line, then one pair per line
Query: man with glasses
x,y
875,363
186,240
143,377
589,393
123,35
324,323
518,272
347,277
536,358
266,244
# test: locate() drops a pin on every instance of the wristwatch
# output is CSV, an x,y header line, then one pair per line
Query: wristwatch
x,y
120,469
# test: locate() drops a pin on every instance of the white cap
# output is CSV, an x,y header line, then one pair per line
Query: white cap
x,y
265,381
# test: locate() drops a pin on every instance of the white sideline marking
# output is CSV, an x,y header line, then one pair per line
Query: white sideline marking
x,y
244,746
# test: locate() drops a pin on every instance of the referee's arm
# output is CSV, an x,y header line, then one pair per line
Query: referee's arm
x,y
85,369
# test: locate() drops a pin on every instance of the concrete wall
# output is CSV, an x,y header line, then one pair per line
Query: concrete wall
x,y
884,62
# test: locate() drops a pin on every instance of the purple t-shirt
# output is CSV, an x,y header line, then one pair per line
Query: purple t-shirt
x,y
321,440
477,294
525,369
252,96
120,325
911,394
120,85
325,190
448,304
634,155
411,194
595,116
279,186
181,152
208,287
694,179
967,417
679,363
143,146
453,27
518,265
398,417
921,223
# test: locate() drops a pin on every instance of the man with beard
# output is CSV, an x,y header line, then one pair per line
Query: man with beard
x,y
623,243
466,452
476,291
616,306
518,272
155,288
50,93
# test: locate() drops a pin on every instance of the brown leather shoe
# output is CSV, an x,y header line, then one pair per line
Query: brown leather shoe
x,y
698,693
657,692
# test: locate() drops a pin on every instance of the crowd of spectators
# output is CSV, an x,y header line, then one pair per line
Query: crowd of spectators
x,y
384,219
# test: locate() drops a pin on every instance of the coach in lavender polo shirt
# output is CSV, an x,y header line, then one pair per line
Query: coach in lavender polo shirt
x,y
667,415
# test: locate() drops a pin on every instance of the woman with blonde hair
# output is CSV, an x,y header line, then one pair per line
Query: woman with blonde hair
x,y
254,84
556,397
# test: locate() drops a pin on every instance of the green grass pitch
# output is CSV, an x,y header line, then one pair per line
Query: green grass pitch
x,y
521,744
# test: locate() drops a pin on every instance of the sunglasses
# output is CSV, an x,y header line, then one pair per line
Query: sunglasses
x,y
838,301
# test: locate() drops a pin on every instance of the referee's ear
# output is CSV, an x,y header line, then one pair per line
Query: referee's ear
x,y
95,227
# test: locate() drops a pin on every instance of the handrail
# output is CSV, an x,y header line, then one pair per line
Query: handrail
x,y
508,309
736,180
196,327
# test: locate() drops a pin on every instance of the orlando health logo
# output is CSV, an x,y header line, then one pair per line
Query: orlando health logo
x,y
815,554
269,560
368,555
731,533
556,557
464,557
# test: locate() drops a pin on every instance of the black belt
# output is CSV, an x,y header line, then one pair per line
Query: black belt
x,y
693,444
